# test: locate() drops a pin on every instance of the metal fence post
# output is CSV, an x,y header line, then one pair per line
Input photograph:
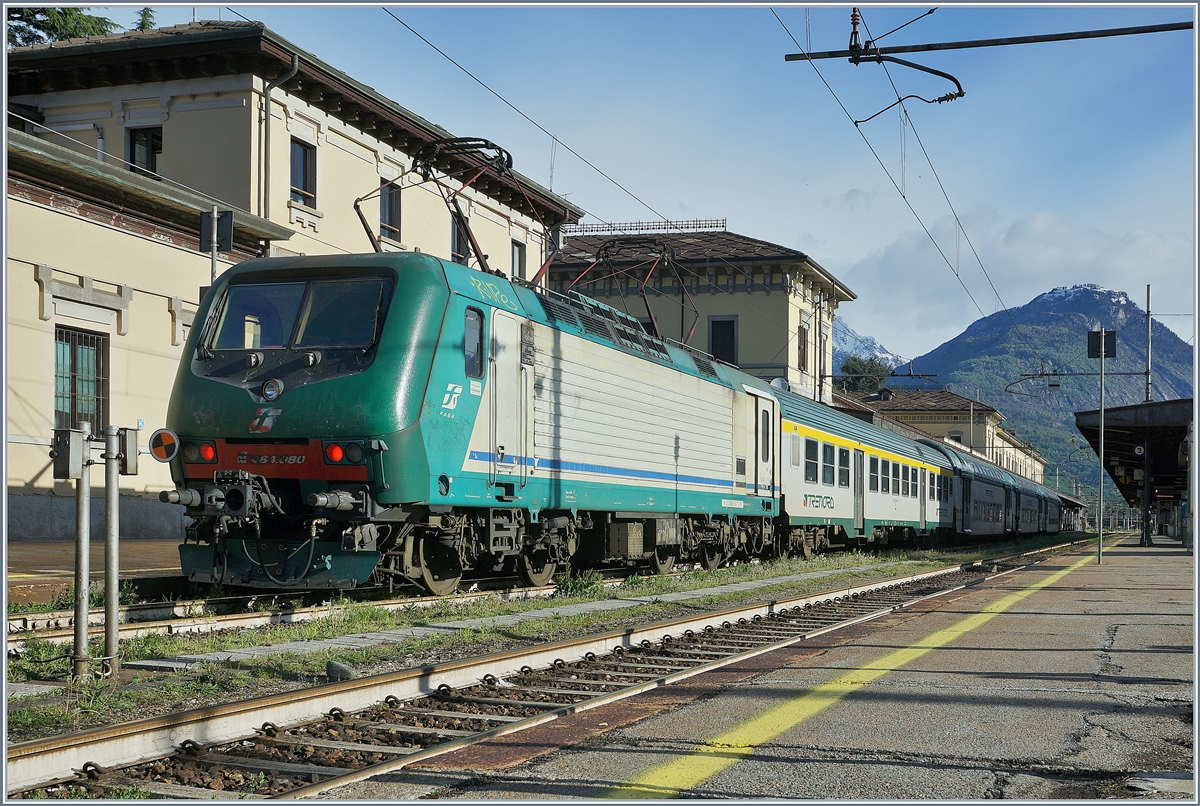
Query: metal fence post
x,y
83,533
112,520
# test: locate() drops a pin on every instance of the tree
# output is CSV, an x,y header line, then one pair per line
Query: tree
x,y
33,26
863,374
145,20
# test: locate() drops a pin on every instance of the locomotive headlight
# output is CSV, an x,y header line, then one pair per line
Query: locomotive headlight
x,y
354,452
334,453
191,452
272,388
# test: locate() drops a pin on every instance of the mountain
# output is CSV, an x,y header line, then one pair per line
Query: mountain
x,y
1050,334
846,342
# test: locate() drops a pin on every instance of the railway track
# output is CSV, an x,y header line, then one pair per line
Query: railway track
x,y
198,616
179,617
306,742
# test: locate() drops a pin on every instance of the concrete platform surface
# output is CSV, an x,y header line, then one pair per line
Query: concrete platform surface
x,y
1076,682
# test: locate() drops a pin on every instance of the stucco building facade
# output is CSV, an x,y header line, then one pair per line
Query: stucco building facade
x,y
117,144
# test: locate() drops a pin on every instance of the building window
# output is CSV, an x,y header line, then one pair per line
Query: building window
x,y
518,260
145,147
843,467
389,211
722,338
460,243
826,463
304,174
802,348
874,474
80,379
884,479
473,343
810,460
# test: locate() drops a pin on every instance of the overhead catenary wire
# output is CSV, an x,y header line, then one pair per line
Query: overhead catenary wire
x,y
558,142
892,179
959,228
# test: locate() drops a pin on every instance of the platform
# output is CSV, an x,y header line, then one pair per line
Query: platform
x,y
36,568
1066,680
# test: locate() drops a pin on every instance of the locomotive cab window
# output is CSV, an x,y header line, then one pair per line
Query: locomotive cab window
x,y
826,463
473,343
329,313
765,429
810,460
843,467
874,474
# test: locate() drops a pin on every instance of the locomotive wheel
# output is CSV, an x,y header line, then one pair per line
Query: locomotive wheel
x,y
662,561
711,557
537,571
441,570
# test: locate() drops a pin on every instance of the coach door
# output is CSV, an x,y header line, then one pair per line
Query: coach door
x,y
859,523
966,506
923,500
764,441
507,406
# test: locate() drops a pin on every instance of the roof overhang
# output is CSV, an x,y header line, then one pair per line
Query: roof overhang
x,y
50,162
1144,437
203,50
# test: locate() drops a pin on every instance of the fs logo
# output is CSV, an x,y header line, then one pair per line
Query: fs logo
x,y
263,420
450,399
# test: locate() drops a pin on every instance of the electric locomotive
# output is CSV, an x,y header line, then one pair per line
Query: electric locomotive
x,y
403,417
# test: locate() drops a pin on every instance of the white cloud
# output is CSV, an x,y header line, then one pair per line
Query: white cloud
x,y
909,299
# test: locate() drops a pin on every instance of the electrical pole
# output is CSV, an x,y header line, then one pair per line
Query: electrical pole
x,y
1100,497
1147,342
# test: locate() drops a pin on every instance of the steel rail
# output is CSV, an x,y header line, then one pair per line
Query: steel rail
x,y
46,761
186,616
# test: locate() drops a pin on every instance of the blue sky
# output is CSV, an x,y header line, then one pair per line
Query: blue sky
x,y
1067,163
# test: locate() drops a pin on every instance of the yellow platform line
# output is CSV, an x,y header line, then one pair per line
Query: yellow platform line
x,y
686,772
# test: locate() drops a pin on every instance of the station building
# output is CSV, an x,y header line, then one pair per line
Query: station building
x,y
116,144
764,308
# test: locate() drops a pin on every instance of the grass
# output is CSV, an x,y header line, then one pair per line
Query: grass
x,y
101,702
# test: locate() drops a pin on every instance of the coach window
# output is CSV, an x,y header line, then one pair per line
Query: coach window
x,y
884,478
933,485
895,478
843,467
795,450
874,474
810,460
826,463
473,343
904,480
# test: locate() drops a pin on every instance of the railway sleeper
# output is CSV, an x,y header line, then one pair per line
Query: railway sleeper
x,y
120,783
293,740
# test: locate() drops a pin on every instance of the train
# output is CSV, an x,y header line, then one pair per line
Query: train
x,y
398,419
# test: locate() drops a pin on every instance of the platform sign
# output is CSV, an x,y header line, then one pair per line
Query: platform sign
x,y
1110,344
1139,450
164,444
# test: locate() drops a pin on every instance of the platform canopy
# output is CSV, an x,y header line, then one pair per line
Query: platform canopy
x,y
1143,435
